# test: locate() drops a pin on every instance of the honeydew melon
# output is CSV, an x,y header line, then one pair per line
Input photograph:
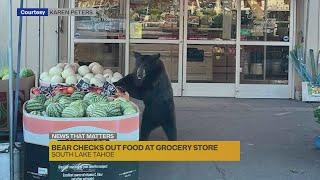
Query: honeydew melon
x,y
89,76
71,80
56,79
97,69
55,71
83,70
92,65
96,82
67,72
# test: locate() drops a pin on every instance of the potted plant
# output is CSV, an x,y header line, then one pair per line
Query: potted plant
x,y
309,71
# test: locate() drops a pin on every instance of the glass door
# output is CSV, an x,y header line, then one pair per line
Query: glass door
x,y
265,39
209,62
102,38
156,26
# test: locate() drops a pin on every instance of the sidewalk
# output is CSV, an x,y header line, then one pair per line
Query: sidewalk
x,y
276,140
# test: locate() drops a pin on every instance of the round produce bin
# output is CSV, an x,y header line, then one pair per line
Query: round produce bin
x,y
36,129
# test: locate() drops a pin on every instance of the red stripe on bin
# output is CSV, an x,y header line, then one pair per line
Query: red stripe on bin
x,y
41,126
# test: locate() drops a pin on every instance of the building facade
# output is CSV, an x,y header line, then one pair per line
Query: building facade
x,y
215,48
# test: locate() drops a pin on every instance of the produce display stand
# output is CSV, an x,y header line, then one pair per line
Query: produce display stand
x,y
77,106
36,136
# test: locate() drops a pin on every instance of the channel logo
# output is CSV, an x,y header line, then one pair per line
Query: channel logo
x,y
56,12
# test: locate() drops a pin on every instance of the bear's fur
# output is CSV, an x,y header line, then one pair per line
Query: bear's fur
x,y
149,82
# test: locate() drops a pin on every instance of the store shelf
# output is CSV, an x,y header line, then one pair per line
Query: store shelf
x,y
269,10
99,40
210,29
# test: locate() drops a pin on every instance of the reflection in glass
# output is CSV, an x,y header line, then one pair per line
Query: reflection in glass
x,y
169,54
212,19
154,19
265,20
108,24
110,56
264,65
211,63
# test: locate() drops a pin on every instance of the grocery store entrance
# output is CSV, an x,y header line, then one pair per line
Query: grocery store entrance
x,y
217,48
237,48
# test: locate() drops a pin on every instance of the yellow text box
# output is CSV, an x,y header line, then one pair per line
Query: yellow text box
x,y
144,151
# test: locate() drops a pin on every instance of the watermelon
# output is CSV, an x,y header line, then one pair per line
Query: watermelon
x,y
98,98
41,97
58,96
77,96
54,110
96,110
113,109
49,101
129,111
89,96
71,112
34,105
80,105
65,101
26,73
124,103
37,113
92,98
3,111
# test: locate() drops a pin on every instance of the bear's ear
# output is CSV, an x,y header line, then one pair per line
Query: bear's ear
x,y
137,55
156,56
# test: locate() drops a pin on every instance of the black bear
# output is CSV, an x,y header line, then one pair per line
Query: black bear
x,y
149,82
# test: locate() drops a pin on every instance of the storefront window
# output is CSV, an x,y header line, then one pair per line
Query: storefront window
x,y
265,20
264,65
212,19
169,54
211,63
154,19
110,56
108,24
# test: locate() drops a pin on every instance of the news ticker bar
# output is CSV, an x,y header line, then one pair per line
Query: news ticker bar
x,y
56,12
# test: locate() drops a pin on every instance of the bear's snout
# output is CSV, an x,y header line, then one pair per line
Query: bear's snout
x,y
141,73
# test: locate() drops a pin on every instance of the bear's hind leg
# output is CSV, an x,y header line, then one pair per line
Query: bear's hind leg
x,y
171,130
146,128
147,125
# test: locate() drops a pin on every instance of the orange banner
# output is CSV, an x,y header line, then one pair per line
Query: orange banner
x,y
144,151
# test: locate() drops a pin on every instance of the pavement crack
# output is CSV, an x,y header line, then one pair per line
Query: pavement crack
x,y
221,171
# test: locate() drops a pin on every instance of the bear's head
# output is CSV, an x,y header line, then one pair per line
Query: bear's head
x,y
146,66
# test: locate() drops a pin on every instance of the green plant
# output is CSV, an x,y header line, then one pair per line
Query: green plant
x,y
309,74
316,113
